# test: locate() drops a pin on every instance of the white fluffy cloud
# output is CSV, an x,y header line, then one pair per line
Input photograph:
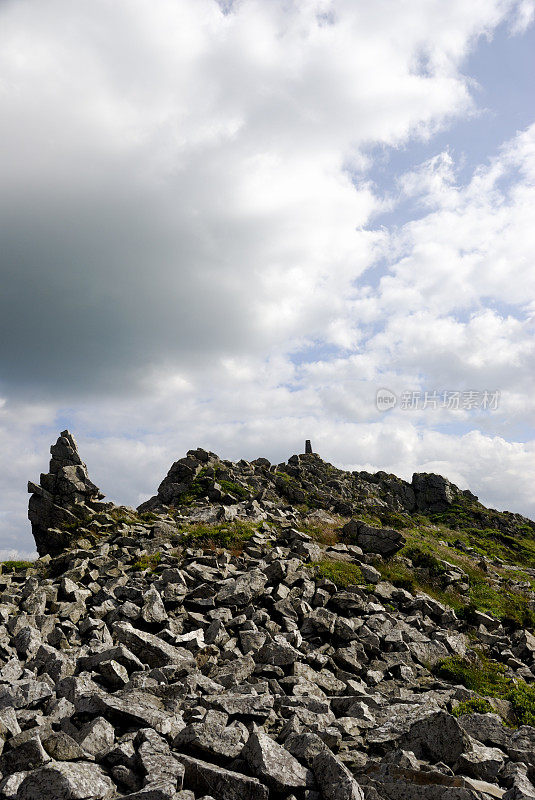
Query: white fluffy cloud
x,y
188,225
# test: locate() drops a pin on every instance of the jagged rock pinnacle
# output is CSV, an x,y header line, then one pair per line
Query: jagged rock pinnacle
x,y
64,496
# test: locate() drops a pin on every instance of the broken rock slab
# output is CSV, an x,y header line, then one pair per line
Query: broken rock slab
x,y
383,541
224,784
67,781
274,765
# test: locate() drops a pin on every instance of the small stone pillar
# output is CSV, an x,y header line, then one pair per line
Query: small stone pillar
x,y
308,446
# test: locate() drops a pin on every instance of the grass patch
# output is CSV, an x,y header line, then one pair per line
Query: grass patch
x,y
234,489
477,705
488,678
473,528
227,535
425,560
512,606
341,573
393,519
522,698
401,575
148,516
15,566
398,574
480,674
150,562
325,533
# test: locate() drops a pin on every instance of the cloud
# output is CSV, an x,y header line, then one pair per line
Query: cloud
x,y
189,231
173,182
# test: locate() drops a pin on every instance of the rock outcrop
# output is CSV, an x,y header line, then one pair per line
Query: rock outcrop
x,y
156,657
64,497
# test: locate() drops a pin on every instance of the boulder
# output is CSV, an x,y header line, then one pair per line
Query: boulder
x,y
66,781
384,541
274,765
433,493
220,783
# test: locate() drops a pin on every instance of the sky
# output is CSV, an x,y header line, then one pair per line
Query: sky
x,y
232,224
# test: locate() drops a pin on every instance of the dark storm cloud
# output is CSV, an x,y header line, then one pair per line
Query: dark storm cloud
x,y
171,176
101,280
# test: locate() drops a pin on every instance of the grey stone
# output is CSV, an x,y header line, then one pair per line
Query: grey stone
x,y
62,747
134,707
151,649
120,654
334,779
232,673
481,762
96,736
440,736
61,498
113,674
218,782
27,755
158,764
214,739
274,765
433,493
164,792
385,541
255,706
153,610
520,787
67,781
9,786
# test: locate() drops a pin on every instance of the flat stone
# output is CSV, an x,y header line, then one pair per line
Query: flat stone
x,y
213,739
67,781
220,783
274,765
131,707
151,649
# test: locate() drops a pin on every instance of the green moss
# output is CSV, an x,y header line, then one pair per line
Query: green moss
x,y
15,566
150,562
234,489
482,675
425,560
392,519
226,535
284,475
72,527
488,678
522,698
341,573
477,705
196,490
148,516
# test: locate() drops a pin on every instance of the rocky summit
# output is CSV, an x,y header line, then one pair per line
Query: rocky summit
x,y
260,631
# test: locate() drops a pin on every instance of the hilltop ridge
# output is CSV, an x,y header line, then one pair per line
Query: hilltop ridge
x,y
204,488
268,632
